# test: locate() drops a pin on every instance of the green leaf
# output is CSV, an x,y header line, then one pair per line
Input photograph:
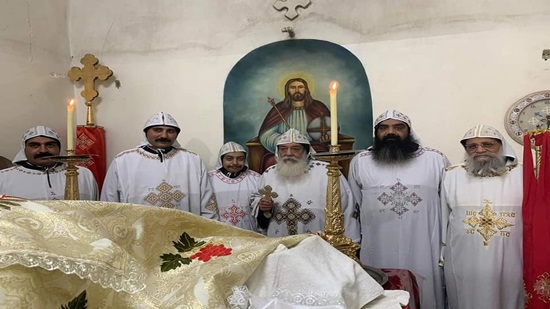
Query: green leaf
x,y
79,302
172,261
6,204
186,243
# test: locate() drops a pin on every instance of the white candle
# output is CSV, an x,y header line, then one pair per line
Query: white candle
x,y
70,125
333,114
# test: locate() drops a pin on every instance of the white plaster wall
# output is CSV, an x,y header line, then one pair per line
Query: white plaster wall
x,y
448,64
33,44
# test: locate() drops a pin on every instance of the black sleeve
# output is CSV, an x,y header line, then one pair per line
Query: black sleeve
x,y
263,222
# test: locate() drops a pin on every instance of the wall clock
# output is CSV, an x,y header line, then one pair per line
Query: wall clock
x,y
531,112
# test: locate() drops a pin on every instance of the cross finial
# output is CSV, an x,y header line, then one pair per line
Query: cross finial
x,y
89,73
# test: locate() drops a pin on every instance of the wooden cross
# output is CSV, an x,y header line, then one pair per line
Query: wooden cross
x,y
268,194
89,73
292,214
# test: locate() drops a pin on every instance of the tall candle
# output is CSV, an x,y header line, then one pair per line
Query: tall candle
x,y
70,125
333,114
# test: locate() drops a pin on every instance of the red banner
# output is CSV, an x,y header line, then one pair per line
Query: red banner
x,y
536,224
91,140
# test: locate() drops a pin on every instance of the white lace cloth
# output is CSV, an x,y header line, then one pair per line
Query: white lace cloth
x,y
243,299
283,299
311,275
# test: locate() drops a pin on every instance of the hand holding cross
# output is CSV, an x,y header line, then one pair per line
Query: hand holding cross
x,y
267,199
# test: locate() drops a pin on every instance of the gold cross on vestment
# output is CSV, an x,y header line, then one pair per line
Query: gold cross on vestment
x,y
488,223
89,73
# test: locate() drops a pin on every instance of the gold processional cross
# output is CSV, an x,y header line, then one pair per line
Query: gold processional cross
x,y
268,194
89,73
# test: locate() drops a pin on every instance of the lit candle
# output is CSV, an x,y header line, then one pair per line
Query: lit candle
x,y
70,125
333,114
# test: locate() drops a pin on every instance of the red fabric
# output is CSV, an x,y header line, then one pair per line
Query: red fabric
x,y
91,140
402,279
536,225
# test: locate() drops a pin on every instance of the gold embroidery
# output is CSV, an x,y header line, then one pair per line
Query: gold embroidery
x,y
212,204
165,196
488,223
542,287
528,295
114,247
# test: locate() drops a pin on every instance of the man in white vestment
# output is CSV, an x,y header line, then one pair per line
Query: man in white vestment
x,y
396,184
233,184
35,177
292,195
482,225
161,173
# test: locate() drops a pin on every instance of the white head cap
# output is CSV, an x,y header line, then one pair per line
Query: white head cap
x,y
490,132
161,119
294,136
396,115
32,133
227,148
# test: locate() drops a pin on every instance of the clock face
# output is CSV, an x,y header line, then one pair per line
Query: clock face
x,y
532,112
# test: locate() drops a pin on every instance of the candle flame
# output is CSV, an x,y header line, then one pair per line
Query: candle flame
x,y
334,85
71,103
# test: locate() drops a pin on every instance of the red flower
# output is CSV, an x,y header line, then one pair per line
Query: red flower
x,y
207,252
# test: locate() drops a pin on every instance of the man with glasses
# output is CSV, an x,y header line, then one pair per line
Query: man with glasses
x,y
482,224
396,185
292,195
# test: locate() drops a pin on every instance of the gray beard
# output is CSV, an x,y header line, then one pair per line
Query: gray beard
x,y
493,167
292,169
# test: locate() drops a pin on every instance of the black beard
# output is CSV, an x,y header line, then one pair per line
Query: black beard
x,y
298,96
392,150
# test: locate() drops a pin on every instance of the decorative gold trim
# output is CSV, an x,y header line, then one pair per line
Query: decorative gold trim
x,y
542,287
334,217
72,191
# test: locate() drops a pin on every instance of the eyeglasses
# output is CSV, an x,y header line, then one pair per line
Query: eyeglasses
x,y
484,145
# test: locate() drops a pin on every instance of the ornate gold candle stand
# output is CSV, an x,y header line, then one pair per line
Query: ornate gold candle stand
x,y
334,216
71,184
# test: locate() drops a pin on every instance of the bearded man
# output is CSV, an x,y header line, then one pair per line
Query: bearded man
x,y
298,109
296,204
396,186
483,227
160,173
35,177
